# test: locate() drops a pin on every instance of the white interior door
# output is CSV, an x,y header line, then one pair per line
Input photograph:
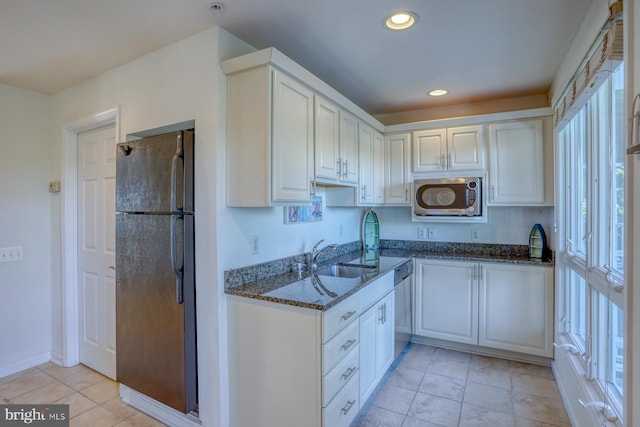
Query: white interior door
x,y
96,249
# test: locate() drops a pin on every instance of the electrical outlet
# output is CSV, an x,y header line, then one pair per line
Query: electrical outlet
x,y
475,235
255,244
422,233
431,233
15,253
11,254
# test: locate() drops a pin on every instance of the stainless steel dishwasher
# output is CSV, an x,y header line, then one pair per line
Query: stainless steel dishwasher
x,y
404,325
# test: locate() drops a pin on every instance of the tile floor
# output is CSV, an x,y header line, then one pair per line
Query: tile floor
x,y
93,399
430,386
426,387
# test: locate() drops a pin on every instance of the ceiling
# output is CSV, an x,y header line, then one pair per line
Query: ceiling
x,y
480,50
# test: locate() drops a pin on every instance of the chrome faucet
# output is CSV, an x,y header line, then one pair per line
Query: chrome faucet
x,y
315,252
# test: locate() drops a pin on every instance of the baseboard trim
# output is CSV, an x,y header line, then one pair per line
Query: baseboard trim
x,y
157,410
57,358
25,364
483,351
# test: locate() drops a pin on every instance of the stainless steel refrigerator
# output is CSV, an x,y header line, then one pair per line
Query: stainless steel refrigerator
x,y
155,269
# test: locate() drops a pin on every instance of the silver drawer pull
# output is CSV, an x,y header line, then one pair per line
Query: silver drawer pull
x,y
348,315
348,344
348,373
348,406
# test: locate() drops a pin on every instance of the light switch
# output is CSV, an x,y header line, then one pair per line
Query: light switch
x,y
54,187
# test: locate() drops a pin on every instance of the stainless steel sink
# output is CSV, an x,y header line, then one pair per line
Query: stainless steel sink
x,y
344,270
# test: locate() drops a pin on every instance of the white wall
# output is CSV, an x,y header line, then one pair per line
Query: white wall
x,y
589,29
25,286
277,239
174,84
177,83
505,225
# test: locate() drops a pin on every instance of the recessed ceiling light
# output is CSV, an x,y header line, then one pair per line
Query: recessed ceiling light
x,y
438,92
400,20
216,7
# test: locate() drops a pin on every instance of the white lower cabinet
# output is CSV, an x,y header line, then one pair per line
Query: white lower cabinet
x,y
376,344
344,407
292,366
516,308
501,306
446,300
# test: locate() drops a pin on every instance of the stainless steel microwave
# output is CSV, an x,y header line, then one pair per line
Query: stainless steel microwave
x,y
447,197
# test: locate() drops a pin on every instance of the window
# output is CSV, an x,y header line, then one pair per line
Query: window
x,y
578,309
577,188
617,174
591,225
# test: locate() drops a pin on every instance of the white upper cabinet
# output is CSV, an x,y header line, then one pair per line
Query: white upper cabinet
x,y
269,161
348,147
292,145
452,149
287,131
327,139
371,179
397,173
516,163
336,140
378,168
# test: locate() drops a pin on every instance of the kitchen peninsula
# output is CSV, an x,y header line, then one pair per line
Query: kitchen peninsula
x,y
302,341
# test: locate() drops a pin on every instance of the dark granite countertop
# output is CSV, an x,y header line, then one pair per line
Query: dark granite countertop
x,y
268,281
313,291
512,258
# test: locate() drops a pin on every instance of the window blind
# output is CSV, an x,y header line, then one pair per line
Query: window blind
x,y
603,57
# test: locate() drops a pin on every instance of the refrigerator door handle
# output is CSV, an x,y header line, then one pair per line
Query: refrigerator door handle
x,y
174,259
174,175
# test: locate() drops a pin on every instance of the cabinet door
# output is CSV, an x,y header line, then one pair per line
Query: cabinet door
x,y
348,147
378,169
397,173
385,335
466,148
327,139
292,140
376,344
516,171
430,150
446,300
368,325
516,308
365,184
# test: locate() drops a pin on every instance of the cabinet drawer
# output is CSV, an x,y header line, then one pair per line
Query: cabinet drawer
x,y
339,376
336,349
373,292
335,319
344,407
